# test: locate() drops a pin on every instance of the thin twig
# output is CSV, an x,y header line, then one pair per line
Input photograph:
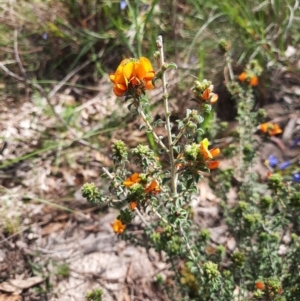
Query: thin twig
x,y
67,77
107,172
16,52
181,132
11,74
229,66
150,128
141,217
190,250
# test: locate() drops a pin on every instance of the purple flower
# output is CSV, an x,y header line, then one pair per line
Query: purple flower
x,y
273,161
123,5
295,142
296,177
284,165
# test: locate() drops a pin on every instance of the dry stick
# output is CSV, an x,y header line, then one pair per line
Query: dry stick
x,y
16,52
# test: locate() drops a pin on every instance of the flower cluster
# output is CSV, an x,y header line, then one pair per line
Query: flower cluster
x,y
268,287
249,78
203,92
136,178
288,167
209,155
199,157
139,188
133,76
270,128
118,226
251,74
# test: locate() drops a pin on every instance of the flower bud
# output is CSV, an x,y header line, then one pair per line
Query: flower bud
x,y
238,258
211,270
119,151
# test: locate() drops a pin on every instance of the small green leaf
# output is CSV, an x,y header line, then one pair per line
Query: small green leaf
x,y
172,65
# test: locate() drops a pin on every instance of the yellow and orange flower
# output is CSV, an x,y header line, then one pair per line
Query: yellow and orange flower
x,y
132,72
132,205
135,178
208,95
153,187
118,226
270,128
213,164
208,155
260,285
242,77
254,81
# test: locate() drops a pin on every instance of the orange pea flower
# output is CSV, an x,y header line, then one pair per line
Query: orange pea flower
x,y
242,77
206,94
135,178
153,187
118,227
208,155
254,81
132,205
270,128
260,285
213,164
131,73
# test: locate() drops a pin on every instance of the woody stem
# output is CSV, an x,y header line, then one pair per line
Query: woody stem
x,y
159,43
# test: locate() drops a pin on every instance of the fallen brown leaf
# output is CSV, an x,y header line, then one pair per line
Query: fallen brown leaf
x,y
17,285
53,227
5,297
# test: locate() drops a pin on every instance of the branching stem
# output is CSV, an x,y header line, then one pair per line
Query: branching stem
x,y
149,126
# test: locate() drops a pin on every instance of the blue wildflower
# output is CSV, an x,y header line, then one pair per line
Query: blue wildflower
x,y
296,177
284,165
123,5
295,142
272,160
